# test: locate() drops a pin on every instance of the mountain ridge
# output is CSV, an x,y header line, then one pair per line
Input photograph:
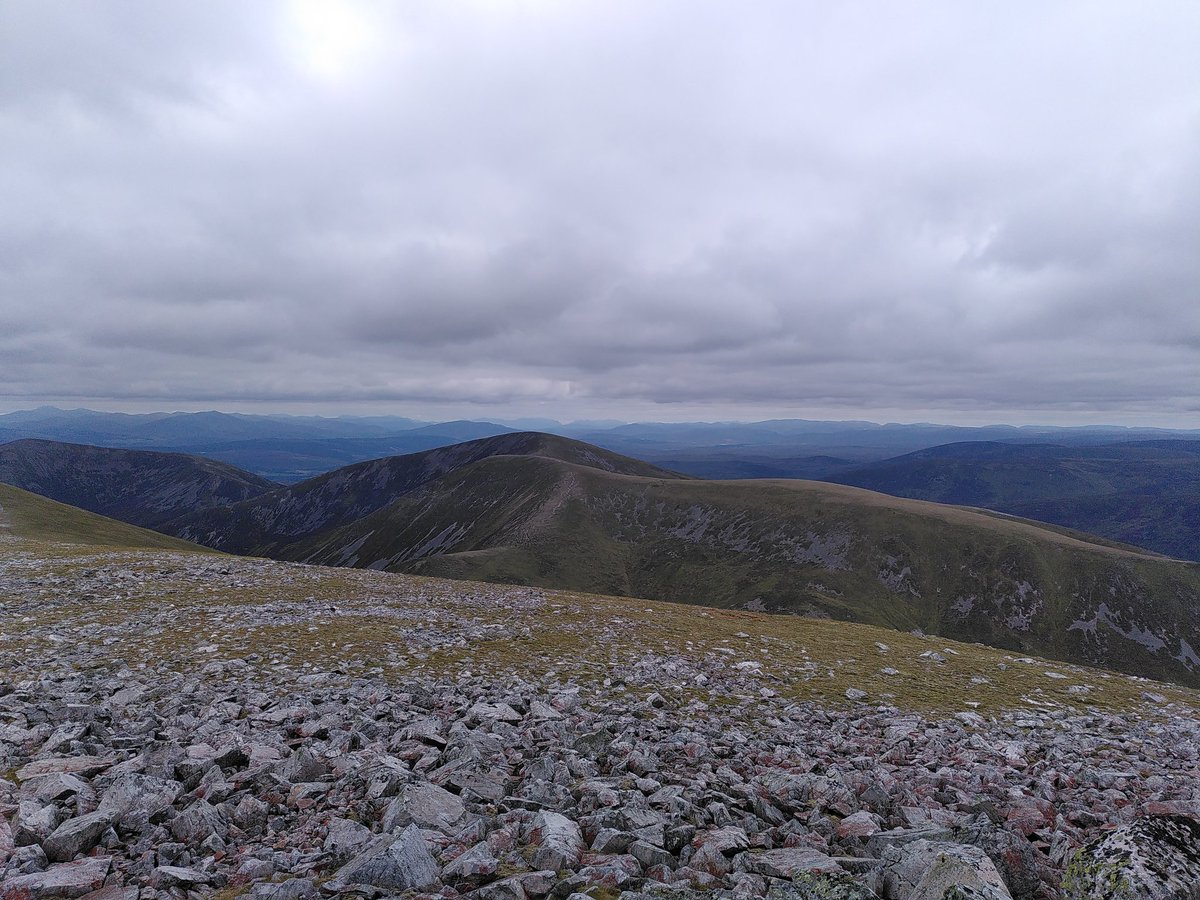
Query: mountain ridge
x,y
537,509
142,487
352,492
782,546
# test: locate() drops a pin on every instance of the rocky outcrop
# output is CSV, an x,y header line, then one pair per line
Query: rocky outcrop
x,y
1154,858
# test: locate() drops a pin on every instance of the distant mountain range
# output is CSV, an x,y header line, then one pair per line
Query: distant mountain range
x,y
545,510
289,449
1138,486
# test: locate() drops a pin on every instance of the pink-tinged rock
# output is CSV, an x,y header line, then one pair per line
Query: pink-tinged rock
x,y
726,841
711,861
862,824
73,879
7,844
476,864
75,765
1030,815
1187,808
614,873
558,842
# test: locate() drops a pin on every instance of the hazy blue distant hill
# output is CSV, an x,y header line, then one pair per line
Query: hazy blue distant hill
x,y
290,449
171,430
1141,492
289,461
283,448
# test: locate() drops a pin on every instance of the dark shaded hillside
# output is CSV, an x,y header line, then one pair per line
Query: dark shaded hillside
x,y
785,546
1145,493
142,487
348,494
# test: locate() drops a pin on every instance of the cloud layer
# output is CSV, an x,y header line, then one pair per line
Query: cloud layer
x,y
940,210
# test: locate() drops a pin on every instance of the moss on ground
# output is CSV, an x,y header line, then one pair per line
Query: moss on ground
x,y
323,619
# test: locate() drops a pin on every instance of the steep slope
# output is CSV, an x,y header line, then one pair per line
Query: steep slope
x,y
36,518
788,546
1146,493
264,524
138,486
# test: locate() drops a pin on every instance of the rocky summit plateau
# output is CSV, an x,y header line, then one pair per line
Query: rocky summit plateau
x,y
179,724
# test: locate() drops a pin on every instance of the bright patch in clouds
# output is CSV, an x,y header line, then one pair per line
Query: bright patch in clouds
x,y
331,36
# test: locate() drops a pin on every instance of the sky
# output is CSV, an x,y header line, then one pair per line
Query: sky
x,y
939,211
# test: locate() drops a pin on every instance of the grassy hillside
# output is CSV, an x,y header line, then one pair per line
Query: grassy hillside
x,y
32,517
787,546
349,494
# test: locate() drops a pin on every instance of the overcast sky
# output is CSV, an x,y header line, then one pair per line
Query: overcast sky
x,y
960,211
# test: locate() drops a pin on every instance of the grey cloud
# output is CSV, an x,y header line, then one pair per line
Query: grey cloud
x,y
603,207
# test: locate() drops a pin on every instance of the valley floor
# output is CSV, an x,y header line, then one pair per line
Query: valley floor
x,y
186,725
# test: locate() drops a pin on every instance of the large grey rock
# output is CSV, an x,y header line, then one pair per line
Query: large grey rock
x,y
73,879
511,888
250,814
292,889
76,765
133,800
496,712
475,864
787,862
959,874
1154,858
727,840
34,822
56,787
1015,858
179,876
399,862
651,855
75,836
925,870
345,838
197,822
426,805
558,842
302,767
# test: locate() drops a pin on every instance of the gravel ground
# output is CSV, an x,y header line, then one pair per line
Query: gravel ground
x,y
187,725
